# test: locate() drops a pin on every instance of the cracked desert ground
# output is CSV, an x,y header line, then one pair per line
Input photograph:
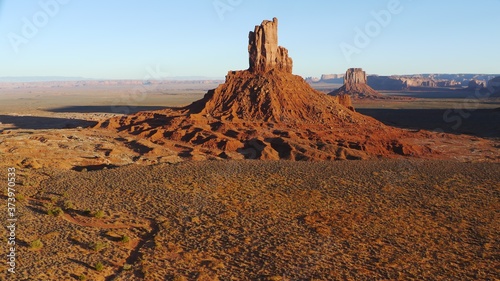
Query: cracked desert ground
x,y
103,209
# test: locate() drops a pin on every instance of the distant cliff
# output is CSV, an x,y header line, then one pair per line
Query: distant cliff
x,y
413,82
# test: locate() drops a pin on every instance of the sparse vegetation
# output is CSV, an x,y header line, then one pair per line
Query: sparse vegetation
x,y
285,211
82,277
125,239
68,205
20,197
127,266
98,246
99,214
57,211
36,244
99,266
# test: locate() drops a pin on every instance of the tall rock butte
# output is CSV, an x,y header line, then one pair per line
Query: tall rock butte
x,y
266,112
265,54
267,90
355,86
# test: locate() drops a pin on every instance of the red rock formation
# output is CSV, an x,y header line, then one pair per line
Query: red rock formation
x,y
355,86
266,112
267,91
265,54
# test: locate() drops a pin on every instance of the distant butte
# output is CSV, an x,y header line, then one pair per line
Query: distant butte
x,y
355,86
266,112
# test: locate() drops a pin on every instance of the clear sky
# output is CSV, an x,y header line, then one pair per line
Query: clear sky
x,y
122,39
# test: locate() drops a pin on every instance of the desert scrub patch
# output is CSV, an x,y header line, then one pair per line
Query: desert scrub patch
x,y
127,266
99,214
99,266
68,205
125,239
82,277
57,211
20,198
36,244
97,246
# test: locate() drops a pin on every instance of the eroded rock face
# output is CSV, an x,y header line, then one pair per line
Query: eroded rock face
x,y
475,85
355,76
355,86
494,86
265,54
345,100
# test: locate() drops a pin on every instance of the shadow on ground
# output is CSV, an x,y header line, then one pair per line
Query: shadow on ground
x,y
480,122
41,123
117,109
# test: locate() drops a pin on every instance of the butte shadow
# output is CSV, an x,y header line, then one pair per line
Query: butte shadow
x,y
127,109
43,123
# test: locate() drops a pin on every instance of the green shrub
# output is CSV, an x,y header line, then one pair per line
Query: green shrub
x,y
20,197
125,239
127,266
82,277
57,211
98,246
36,244
99,214
99,266
68,205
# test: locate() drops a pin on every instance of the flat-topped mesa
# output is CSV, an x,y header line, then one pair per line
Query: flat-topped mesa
x,y
354,76
263,49
355,85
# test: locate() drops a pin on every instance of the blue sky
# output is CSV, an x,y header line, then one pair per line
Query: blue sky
x,y
123,39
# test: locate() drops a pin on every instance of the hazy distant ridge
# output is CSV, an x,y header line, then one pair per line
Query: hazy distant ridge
x,y
28,79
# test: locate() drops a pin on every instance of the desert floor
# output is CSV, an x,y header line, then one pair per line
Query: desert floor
x,y
256,220
401,219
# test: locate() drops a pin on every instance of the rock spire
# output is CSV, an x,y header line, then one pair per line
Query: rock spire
x,y
263,49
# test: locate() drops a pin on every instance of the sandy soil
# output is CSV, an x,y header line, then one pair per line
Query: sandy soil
x,y
257,220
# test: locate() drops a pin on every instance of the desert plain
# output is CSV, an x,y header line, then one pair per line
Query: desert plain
x,y
96,204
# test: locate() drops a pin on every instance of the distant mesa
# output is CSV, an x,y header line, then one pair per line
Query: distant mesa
x,y
266,112
355,86
475,85
494,86
415,82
